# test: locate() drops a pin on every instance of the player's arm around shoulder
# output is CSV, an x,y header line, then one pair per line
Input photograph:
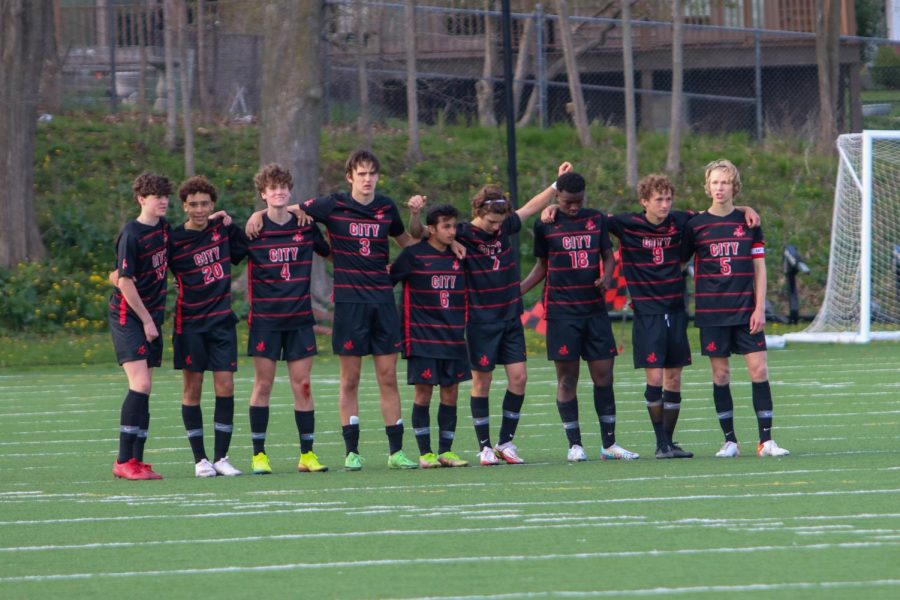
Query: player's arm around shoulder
x,y
543,198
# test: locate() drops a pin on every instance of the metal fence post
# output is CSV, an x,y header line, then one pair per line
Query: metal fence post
x,y
757,60
111,28
540,60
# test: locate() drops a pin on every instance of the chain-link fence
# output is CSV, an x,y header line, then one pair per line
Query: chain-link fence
x,y
747,68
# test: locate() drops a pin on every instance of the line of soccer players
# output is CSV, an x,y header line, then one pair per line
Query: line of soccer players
x,y
460,310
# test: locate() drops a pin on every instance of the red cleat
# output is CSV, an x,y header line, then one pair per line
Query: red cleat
x,y
130,469
148,471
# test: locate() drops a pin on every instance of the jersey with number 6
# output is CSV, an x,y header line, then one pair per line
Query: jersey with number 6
x,y
724,249
279,274
359,240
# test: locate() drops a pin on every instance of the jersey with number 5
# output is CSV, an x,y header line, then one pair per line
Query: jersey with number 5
x,y
491,271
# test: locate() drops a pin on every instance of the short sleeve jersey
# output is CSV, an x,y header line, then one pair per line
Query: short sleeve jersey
x,y
651,258
142,255
433,302
724,249
201,263
573,247
279,274
492,273
359,240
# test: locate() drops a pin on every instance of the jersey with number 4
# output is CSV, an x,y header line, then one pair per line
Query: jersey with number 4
x,y
359,240
493,277
724,249
279,274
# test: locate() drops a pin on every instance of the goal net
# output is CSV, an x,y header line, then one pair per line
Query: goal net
x,y
862,295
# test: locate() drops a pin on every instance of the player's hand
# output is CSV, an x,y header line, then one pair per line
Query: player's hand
x,y
221,214
603,283
416,203
114,278
548,215
751,217
150,331
254,225
757,320
303,219
458,249
564,168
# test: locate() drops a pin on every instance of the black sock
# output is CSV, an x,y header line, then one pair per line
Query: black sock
x,y
605,405
129,424
481,419
259,423
671,410
762,404
725,410
512,406
653,394
351,437
446,419
421,427
306,427
568,414
223,423
192,417
395,437
141,440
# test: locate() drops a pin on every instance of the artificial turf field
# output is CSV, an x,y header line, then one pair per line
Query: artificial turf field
x,y
823,522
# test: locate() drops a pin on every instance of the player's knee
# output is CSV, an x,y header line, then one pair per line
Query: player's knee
x,y
263,388
518,379
759,373
568,383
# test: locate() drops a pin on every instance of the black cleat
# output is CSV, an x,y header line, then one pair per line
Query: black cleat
x,y
667,453
677,452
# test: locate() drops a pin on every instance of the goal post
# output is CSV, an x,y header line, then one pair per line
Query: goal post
x,y
862,293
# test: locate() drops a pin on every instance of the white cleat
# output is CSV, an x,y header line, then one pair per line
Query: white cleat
x,y
728,450
223,467
204,469
770,448
617,452
576,454
488,457
508,453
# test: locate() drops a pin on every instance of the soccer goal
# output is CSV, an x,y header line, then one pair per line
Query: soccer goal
x,y
862,295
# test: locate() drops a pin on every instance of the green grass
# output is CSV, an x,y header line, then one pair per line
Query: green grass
x,y
820,523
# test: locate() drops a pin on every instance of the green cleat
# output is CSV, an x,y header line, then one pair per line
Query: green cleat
x,y
450,459
260,464
398,460
353,462
309,463
429,461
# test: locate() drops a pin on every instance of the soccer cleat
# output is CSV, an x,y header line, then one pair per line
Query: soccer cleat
x,y
450,459
770,448
260,464
353,462
508,453
488,457
309,463
617,452
204,468
398,460
664,453
576,454
728,450
149,473
429,461
129,469
223,467
673,451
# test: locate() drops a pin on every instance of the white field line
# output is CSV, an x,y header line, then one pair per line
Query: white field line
x,y
410,562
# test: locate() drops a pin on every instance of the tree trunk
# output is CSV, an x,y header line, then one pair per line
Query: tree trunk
x,y
143,24
171,140
827,38
23,25
364,126
673,160
186,116
291,114
631,166
579,112
51,76
202,66
413,152
522,61
484,87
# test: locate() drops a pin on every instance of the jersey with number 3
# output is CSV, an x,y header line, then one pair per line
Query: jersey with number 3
x,y
279,274
359,240
724,249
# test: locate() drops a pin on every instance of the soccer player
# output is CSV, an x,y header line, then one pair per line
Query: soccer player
x,y
136,311
281,319
570,252
494,333
730,275
433,317
201,252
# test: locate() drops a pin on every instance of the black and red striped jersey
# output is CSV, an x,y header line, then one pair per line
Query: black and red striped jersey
x,y
433,302
651,257
142,255
491,271
359,241
724,249
201,263
280,264
573,248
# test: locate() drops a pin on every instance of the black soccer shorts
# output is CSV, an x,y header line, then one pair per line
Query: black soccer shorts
x,y
131,344
730,339
661,341
292,344
444,372
492,344
590,338
213,350
362,328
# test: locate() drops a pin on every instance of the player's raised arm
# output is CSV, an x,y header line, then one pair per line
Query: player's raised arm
x,y
543,198
415,205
